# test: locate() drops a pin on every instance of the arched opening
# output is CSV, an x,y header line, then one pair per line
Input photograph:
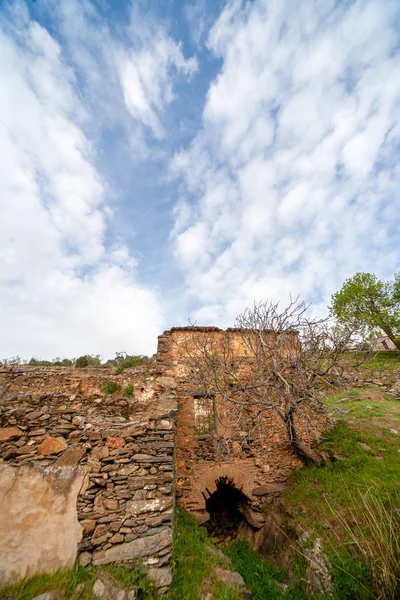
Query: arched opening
x,y
224,507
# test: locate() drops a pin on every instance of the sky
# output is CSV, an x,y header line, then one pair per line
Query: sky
x,y
179,160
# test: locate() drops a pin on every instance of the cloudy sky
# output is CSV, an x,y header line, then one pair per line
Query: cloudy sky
x,y
170,160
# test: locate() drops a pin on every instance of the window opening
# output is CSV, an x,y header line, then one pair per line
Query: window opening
x,y
204,413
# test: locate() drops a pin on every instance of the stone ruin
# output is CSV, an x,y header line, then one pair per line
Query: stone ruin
x,y
95,475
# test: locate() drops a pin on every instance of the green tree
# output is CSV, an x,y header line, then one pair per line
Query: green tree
x,y
369,303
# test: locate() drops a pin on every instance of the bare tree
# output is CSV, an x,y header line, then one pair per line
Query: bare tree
x,y
273,360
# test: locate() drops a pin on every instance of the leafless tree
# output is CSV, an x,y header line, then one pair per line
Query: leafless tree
x,y
274,359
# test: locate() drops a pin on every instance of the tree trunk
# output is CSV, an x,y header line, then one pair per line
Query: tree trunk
x,y
392,338
305,452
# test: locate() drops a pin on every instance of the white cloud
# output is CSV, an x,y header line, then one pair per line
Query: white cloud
x,y
146,72
293,171
62,290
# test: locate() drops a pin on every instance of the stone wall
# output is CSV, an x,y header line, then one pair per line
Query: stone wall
x,y
60,417
260,470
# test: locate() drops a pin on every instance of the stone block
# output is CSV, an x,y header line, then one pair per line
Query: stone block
x,y
138,507
39,529
141,547
52,446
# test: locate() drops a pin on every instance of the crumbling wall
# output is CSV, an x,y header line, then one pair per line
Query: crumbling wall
x,y
125,447
262,467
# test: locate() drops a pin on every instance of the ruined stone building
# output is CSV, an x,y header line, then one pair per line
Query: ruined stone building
x,y
97,473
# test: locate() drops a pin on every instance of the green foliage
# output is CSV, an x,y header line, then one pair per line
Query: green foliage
x,y
110,387
88,360
129,391
192,562
369,304
81,362
124,361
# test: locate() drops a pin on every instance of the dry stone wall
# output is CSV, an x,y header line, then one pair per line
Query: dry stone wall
x,y
125,446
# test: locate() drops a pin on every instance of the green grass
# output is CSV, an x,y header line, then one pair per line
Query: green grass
x,y
315,487
330,501
387,361
64,582
110,387
260,577
193,563
77,583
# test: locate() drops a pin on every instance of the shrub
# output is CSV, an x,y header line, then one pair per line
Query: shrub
x,y
110,387
129,391
81,362
125,361
88,360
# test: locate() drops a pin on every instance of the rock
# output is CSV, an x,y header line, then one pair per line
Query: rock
x,y
394,431
105,588
167,382
201,516
395,389
128,470
113,442
233,580
302,534
319,571
255,519
71,457
111,504
365,446
118,538
85,559
88,525
269,488
144,546
52,446
162,577
9,433
139,507
219,554
39,528
53,595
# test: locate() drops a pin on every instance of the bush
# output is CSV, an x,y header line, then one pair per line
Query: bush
x,y
124,361
81,362
88,360
129,391
110,387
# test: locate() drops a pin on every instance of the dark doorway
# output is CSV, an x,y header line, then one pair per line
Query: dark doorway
x,y
223,506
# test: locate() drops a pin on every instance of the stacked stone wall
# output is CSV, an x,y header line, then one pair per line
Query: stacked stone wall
x,y
62,418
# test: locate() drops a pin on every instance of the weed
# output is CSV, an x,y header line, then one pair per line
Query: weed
x,y
110,387
129,391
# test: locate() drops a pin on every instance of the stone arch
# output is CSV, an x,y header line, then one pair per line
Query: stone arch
x,y
241,473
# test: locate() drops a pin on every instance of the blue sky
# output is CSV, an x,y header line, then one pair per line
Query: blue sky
x,y
172,160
